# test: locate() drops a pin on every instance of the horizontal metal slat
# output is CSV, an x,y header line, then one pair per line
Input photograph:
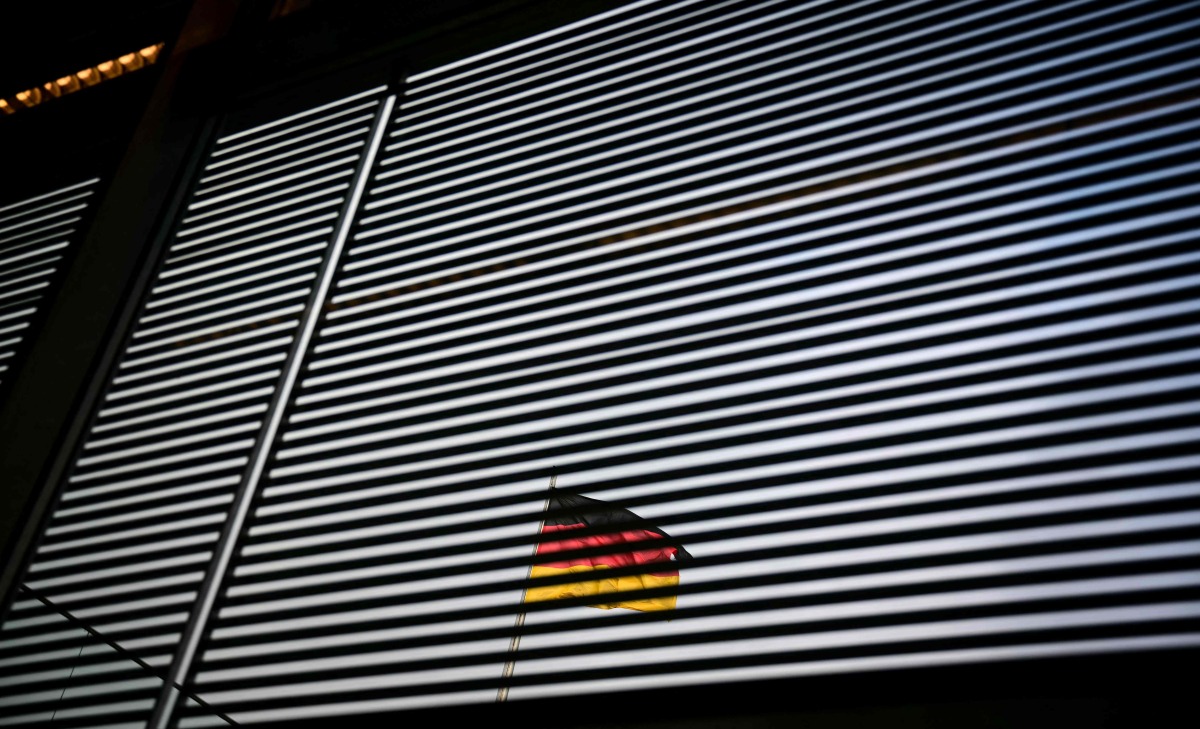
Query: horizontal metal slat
x,y
37,235
889,323
142,507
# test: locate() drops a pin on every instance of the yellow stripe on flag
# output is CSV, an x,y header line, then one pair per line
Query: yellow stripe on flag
x,y
603,587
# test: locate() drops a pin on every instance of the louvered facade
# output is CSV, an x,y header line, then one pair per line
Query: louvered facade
x,y
140,519
886,311
37,236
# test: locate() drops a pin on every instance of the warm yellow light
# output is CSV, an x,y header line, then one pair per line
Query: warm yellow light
x,y
30,97
68,84
85,77
109,69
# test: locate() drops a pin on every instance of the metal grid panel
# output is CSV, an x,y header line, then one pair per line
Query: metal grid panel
x,y
132,536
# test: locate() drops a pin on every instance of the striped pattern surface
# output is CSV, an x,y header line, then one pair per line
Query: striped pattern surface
x,y
887,310
607,548
130,540
36,235
620,569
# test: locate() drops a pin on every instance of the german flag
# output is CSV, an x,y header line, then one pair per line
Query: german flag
x,y
617,538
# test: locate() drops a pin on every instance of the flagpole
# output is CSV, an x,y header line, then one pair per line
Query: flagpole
x,y
510,664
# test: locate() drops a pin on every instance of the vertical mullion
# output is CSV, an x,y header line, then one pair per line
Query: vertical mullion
x,y
232,531
49,494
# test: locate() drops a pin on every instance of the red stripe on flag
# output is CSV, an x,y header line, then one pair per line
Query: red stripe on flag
x,y
624,549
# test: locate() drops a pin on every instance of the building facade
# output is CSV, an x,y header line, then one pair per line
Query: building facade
x,y
883,313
